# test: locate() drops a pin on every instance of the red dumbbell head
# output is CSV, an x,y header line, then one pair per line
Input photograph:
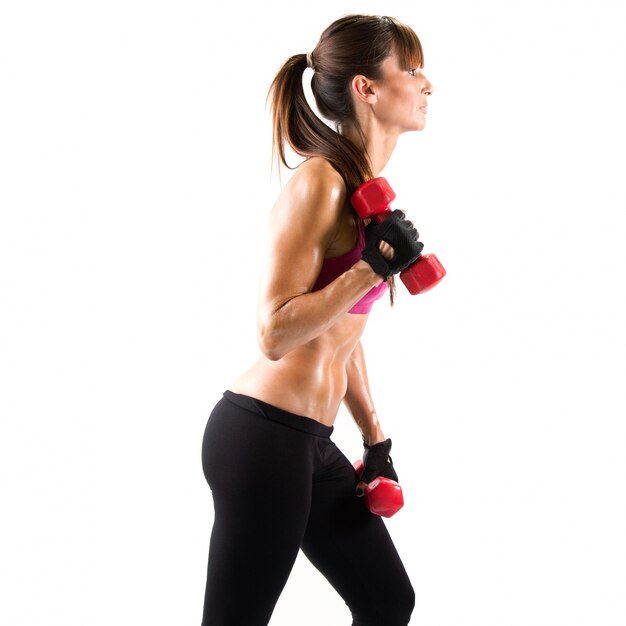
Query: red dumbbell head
x,y
383,496
372,197
423,275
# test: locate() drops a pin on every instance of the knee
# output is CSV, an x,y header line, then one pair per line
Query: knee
x,y
400,613
390,610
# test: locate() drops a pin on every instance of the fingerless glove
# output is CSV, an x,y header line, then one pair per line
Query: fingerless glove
x,y
401,235
377,462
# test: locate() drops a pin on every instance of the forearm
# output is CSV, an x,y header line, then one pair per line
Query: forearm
x,y
358,398
301,318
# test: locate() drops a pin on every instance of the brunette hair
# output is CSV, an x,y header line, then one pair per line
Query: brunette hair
x,y
353,44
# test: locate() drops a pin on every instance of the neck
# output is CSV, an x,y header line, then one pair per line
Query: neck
x,y
378,144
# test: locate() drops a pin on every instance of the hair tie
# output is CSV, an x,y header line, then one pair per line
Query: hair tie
x,y
309,59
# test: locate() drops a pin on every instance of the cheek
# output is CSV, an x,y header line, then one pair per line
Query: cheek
x,y
405,96
400,100
406,103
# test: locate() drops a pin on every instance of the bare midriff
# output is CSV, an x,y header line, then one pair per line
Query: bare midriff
x,y
311,380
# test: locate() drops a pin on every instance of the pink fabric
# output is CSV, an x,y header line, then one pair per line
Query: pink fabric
x,y
335,266
365,304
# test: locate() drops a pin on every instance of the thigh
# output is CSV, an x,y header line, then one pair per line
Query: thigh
x,y
260,477
353,550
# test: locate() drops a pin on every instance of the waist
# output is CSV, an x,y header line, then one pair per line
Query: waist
x,y
310,380
276,414
299,385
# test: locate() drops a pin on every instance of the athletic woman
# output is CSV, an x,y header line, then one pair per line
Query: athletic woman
x,y
279,484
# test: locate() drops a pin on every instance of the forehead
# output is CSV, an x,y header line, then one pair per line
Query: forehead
x,y
391,65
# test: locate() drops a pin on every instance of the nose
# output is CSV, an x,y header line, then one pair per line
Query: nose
x,y
427,89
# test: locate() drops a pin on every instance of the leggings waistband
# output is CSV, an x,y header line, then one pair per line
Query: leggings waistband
x,y
275,414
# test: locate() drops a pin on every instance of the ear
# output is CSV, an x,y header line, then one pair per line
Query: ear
x,y
364,89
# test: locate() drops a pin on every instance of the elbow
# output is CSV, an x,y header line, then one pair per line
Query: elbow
x,y
269,343
270,351
275,333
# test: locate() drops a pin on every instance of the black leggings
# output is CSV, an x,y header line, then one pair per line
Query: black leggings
x,y
280,484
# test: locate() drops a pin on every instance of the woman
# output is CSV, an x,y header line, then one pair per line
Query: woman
x,y
279,483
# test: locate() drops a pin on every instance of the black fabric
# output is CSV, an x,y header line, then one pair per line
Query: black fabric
x,y
377,462
279,484
401,235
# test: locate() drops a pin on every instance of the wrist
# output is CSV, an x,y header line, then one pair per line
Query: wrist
x,y
363,268
373,437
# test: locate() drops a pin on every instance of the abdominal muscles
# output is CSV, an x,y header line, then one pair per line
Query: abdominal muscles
x,y
310,380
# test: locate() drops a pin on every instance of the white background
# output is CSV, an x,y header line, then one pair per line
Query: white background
x,y
135,189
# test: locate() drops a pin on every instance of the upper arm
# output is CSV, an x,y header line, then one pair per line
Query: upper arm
x,y
303,223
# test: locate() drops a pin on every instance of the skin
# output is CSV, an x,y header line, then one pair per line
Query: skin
x,y
311,354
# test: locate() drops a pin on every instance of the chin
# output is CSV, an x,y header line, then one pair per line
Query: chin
x,y
416,125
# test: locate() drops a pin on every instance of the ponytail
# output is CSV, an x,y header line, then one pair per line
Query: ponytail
x,y
295,123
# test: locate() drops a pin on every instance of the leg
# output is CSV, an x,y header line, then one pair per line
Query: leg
x,y
260,477
353,550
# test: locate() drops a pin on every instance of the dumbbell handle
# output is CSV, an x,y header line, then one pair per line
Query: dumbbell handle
x,y
371,201
383,496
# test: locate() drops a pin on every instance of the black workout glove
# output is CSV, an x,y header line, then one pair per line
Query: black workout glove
x,y
377,462
401,235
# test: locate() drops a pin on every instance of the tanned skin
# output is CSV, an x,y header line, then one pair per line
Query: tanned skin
x,y
311,354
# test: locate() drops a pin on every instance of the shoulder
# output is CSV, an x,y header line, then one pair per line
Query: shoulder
x,y
316,186
308,213
319,169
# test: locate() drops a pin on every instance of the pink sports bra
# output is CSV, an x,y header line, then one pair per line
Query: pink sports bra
x,y
337,265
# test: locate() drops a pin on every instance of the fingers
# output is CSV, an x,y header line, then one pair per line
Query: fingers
x,y
411,228
386,250
406,223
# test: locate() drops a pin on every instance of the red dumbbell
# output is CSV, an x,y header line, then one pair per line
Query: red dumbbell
x,y
383,496
372,200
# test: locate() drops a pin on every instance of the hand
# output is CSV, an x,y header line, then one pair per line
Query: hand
x,y
376,462
401,236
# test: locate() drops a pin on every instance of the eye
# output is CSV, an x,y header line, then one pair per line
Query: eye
x,y
414,71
